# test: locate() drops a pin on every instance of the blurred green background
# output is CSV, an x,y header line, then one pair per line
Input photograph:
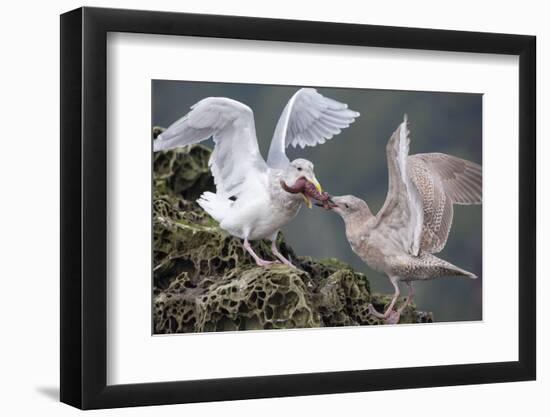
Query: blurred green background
x,y
354,162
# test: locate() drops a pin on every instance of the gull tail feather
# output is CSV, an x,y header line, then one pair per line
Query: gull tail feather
x,y
453,270
429,266
214,205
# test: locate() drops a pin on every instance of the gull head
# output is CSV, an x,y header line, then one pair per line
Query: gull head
x,y
297,178
347,205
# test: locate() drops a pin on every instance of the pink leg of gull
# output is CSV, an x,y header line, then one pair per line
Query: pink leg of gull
x,y
280,256
259,261
409,299
391,316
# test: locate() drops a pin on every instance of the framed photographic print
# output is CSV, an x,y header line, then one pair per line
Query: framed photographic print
x,y
258,208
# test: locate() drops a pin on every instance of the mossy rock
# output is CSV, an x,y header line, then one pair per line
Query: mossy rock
x,y
203,279
252,298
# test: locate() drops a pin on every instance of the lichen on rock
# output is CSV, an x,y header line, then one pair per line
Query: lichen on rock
x,y
204,281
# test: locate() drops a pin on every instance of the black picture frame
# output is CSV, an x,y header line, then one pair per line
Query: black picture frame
x,y
84,207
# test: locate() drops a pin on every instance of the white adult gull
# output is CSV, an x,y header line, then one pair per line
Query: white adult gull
x,y
253,199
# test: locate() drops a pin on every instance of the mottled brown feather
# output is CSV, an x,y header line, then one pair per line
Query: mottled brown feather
x,y
442,180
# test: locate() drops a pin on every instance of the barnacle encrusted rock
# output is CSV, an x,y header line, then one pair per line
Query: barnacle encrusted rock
x,y
203,280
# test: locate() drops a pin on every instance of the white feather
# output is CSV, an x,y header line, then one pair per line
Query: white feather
x,y
308,119
236,159
416,214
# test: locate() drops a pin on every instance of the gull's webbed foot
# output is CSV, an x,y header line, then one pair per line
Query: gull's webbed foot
x,y
393,317
263,262
259,261
390,316
373,312
286,261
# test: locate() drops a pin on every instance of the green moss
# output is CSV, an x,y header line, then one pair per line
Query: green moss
x,y
204,280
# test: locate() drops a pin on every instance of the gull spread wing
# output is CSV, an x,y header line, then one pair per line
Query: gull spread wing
x,y
402,211
441,181
308,119
461,179
236,156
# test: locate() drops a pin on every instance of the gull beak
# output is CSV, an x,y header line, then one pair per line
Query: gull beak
x,y
314,181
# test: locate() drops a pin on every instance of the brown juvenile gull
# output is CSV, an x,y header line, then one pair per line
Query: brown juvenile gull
x,y
415,219
254,199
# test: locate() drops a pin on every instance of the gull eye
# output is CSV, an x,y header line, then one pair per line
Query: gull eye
x,y
299,168
346,205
